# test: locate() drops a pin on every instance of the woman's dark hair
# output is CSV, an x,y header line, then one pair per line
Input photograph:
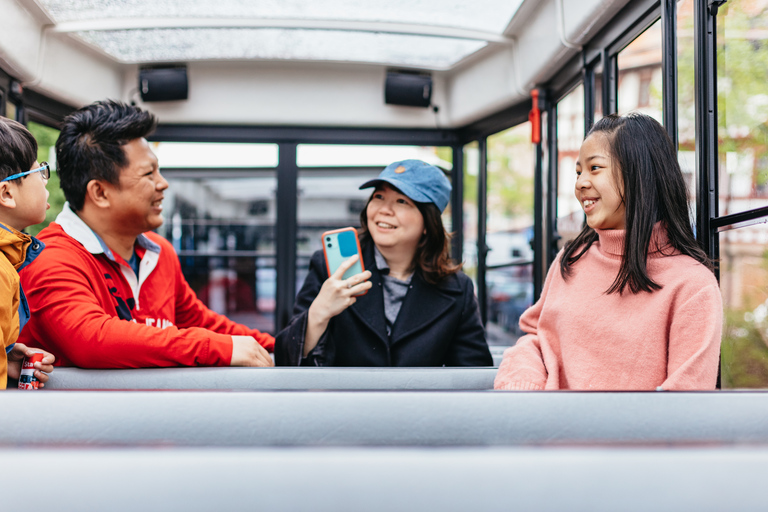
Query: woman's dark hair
x,y
654,190
90,145
433,254
18,148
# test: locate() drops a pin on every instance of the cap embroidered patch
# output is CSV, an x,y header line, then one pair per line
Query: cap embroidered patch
x,y
400,170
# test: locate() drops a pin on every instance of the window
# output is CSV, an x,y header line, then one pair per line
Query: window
x,y
226,249
46,152
509,276
220,215
742,47
686,100
598,92
570,134
640,74
744,287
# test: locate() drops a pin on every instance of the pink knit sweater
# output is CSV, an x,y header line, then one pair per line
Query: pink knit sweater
x,y
580,337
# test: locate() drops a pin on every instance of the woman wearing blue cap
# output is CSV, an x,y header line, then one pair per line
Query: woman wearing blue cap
x,y
419,309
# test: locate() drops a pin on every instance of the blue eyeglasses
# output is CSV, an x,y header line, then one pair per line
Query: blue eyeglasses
x,y
44,170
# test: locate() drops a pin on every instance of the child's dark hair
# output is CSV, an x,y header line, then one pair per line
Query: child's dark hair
x,y
654,190
433,254
18,148
89,146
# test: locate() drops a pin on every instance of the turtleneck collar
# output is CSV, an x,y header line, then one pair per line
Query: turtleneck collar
x,y
612,241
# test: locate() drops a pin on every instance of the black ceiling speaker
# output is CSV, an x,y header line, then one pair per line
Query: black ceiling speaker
x,y
411,89
163,84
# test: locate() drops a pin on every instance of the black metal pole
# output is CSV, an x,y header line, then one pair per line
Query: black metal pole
x,y
589,97
457,203
669,66
605,96
482,207
610,83
539,244
285,233
705,55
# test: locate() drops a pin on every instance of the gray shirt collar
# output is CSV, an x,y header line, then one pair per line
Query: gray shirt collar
x,y
383,266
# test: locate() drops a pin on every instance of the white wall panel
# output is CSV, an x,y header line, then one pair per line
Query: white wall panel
x,y
288,94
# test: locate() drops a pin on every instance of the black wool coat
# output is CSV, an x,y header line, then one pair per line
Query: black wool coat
x,y
437,325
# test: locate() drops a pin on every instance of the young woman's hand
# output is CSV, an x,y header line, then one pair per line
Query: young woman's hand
x,y
335,296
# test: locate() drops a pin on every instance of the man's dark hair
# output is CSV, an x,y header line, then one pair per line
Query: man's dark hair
x,y
645,161
18,148
90,145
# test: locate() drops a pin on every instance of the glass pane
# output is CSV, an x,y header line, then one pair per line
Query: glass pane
x,y
640,74
10,110
742,103
46,152
342,155
509,232
163,45
686,86
686,99
570,134
744,286
489,15
223,230
598,92
471,173
196,155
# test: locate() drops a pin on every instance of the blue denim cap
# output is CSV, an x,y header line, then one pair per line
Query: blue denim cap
x,y
420,181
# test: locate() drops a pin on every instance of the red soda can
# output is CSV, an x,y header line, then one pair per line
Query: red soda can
x,y
27,379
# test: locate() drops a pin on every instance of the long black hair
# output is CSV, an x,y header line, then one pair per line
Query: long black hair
x,y
654,190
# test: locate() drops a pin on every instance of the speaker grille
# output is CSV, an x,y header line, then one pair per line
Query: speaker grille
x,y
410,89
163,84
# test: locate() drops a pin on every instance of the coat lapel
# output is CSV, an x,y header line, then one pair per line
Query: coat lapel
x,y
370,307
423,304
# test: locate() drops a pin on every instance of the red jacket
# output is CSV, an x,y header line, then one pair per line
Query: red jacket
x,y
90,309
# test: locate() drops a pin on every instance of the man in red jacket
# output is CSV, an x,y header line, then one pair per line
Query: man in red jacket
x,y
107,292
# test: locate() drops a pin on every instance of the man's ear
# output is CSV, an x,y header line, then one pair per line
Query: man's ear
x,y
7,195
98,192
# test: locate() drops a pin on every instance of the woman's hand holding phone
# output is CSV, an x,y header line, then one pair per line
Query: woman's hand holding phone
x,y
336,295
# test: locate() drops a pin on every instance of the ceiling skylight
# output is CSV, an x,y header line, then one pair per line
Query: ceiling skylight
x,y
487,15
433,34
159,45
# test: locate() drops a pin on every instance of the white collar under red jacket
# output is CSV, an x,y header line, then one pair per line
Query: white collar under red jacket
x,y
80,231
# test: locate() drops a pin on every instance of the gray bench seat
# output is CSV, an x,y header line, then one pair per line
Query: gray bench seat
x,y
379,418
274,378
711,478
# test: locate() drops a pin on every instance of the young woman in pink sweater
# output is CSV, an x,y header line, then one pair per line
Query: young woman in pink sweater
x,y
631,303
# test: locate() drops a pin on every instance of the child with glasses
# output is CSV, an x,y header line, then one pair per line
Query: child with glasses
x,y
23,202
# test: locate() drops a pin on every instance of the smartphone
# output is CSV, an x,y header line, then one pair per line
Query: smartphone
x,y
338,246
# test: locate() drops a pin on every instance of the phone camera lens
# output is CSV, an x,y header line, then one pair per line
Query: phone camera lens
x,y
328,239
